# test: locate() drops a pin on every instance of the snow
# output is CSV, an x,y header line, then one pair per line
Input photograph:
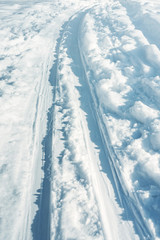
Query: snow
x,y
80,120
142,112
129,111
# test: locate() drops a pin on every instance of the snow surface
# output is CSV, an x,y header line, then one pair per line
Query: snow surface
x,y
80,120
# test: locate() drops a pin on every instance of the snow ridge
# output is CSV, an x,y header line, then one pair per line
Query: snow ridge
x,y
125,107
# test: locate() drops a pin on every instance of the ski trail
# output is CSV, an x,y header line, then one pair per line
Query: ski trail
x,y
70,180
93,175
82,192
82,176
42,223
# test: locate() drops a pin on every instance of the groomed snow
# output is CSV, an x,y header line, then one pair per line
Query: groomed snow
x,y
80,120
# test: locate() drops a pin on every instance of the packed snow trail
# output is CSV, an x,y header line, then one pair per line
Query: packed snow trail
x,y
68,173
28,39
81,148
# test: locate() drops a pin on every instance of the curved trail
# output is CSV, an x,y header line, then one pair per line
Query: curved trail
x,y
42,221
79,166
78,122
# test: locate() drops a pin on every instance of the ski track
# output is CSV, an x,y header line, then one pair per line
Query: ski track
x,y
94,123
82,193
65,160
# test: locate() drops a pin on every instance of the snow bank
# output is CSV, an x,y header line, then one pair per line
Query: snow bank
x,y
145,16
125,75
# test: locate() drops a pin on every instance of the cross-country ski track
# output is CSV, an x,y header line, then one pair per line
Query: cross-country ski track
x,y
80,156
115,206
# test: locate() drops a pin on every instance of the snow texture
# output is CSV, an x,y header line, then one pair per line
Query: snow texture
x,y
80,120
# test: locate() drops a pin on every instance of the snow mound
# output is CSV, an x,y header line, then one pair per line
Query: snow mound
x,y
109,98
143,113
